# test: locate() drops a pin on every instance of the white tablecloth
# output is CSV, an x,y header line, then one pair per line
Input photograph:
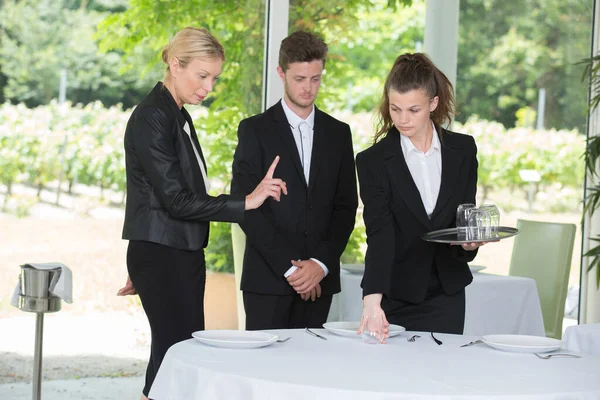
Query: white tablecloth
x,y
583,338
342,368
495,304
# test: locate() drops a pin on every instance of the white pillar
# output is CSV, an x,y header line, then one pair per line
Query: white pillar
x,y
276,29
589,296
441,35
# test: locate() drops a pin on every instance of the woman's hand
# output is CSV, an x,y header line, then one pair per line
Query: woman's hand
x,y
373,318
473,246
127,289
268,187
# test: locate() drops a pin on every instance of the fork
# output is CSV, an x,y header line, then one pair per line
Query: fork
x,y
549,356
413,338
281,340
314,334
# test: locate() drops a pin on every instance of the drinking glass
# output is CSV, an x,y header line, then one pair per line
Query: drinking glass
x,y
494,216
373,331
462,219
479,225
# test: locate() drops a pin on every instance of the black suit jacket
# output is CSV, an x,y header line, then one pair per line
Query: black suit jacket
x,y
313,221
167,201
398,262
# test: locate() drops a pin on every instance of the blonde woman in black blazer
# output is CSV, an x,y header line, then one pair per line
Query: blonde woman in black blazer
x,y
168,207
411,182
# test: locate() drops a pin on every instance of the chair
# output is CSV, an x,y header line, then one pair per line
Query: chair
x,y
584,338
238,242
543,251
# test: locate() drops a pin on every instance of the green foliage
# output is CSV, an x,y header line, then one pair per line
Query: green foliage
x,y
591,75
594,253
42,37
526,117
217,131
87,142
355,249
556,155
510,49
219,253
359,63
150,24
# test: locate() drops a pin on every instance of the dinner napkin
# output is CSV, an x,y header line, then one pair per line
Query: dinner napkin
x,y
60,286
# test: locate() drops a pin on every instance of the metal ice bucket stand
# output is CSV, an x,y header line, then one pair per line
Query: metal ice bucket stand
x,y
36,298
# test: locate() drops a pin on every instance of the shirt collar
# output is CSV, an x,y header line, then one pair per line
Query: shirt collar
x,y
294,120
408,146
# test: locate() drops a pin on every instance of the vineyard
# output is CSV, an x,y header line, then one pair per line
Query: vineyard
x,y
84,145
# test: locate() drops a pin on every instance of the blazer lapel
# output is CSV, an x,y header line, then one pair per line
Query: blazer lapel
x,y
318,149
282,126
401,178
182,117
451,164
195,141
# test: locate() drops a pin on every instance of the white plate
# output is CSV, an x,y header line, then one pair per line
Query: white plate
x,y
235,339
476,268
522,343
349,328
354,268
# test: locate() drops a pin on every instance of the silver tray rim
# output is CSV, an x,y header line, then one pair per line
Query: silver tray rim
x,y
449,235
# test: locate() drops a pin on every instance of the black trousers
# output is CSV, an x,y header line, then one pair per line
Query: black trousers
x,y
170,283
266,311
439,312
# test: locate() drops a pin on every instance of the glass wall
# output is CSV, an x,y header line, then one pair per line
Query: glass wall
x,y
520,92
62,171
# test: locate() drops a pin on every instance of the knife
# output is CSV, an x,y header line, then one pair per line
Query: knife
x,y
314,334
472,343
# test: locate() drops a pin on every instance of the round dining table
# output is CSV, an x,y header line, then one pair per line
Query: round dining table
x,y
348,368
495,304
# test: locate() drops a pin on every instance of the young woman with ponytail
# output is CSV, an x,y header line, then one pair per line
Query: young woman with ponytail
x,y
411,181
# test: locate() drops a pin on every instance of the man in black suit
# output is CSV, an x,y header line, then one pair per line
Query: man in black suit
x,y
293,247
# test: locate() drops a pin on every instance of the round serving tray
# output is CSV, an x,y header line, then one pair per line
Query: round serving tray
x,y
451,236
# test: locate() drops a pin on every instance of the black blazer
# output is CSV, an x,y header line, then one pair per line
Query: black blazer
x,y
398,262
167,201
313,221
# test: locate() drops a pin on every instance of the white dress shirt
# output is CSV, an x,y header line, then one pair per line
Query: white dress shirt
x,y
186,128
303,132
425,169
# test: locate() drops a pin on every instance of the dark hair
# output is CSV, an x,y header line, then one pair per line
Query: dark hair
x,y
413,72
301,46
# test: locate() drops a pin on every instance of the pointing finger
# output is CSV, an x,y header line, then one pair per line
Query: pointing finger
x,y
271,170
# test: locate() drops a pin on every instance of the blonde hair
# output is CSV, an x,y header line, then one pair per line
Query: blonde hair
x,y
190,43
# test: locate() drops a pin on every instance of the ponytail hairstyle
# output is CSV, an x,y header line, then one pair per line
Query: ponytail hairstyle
x,y
413,72
190,43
